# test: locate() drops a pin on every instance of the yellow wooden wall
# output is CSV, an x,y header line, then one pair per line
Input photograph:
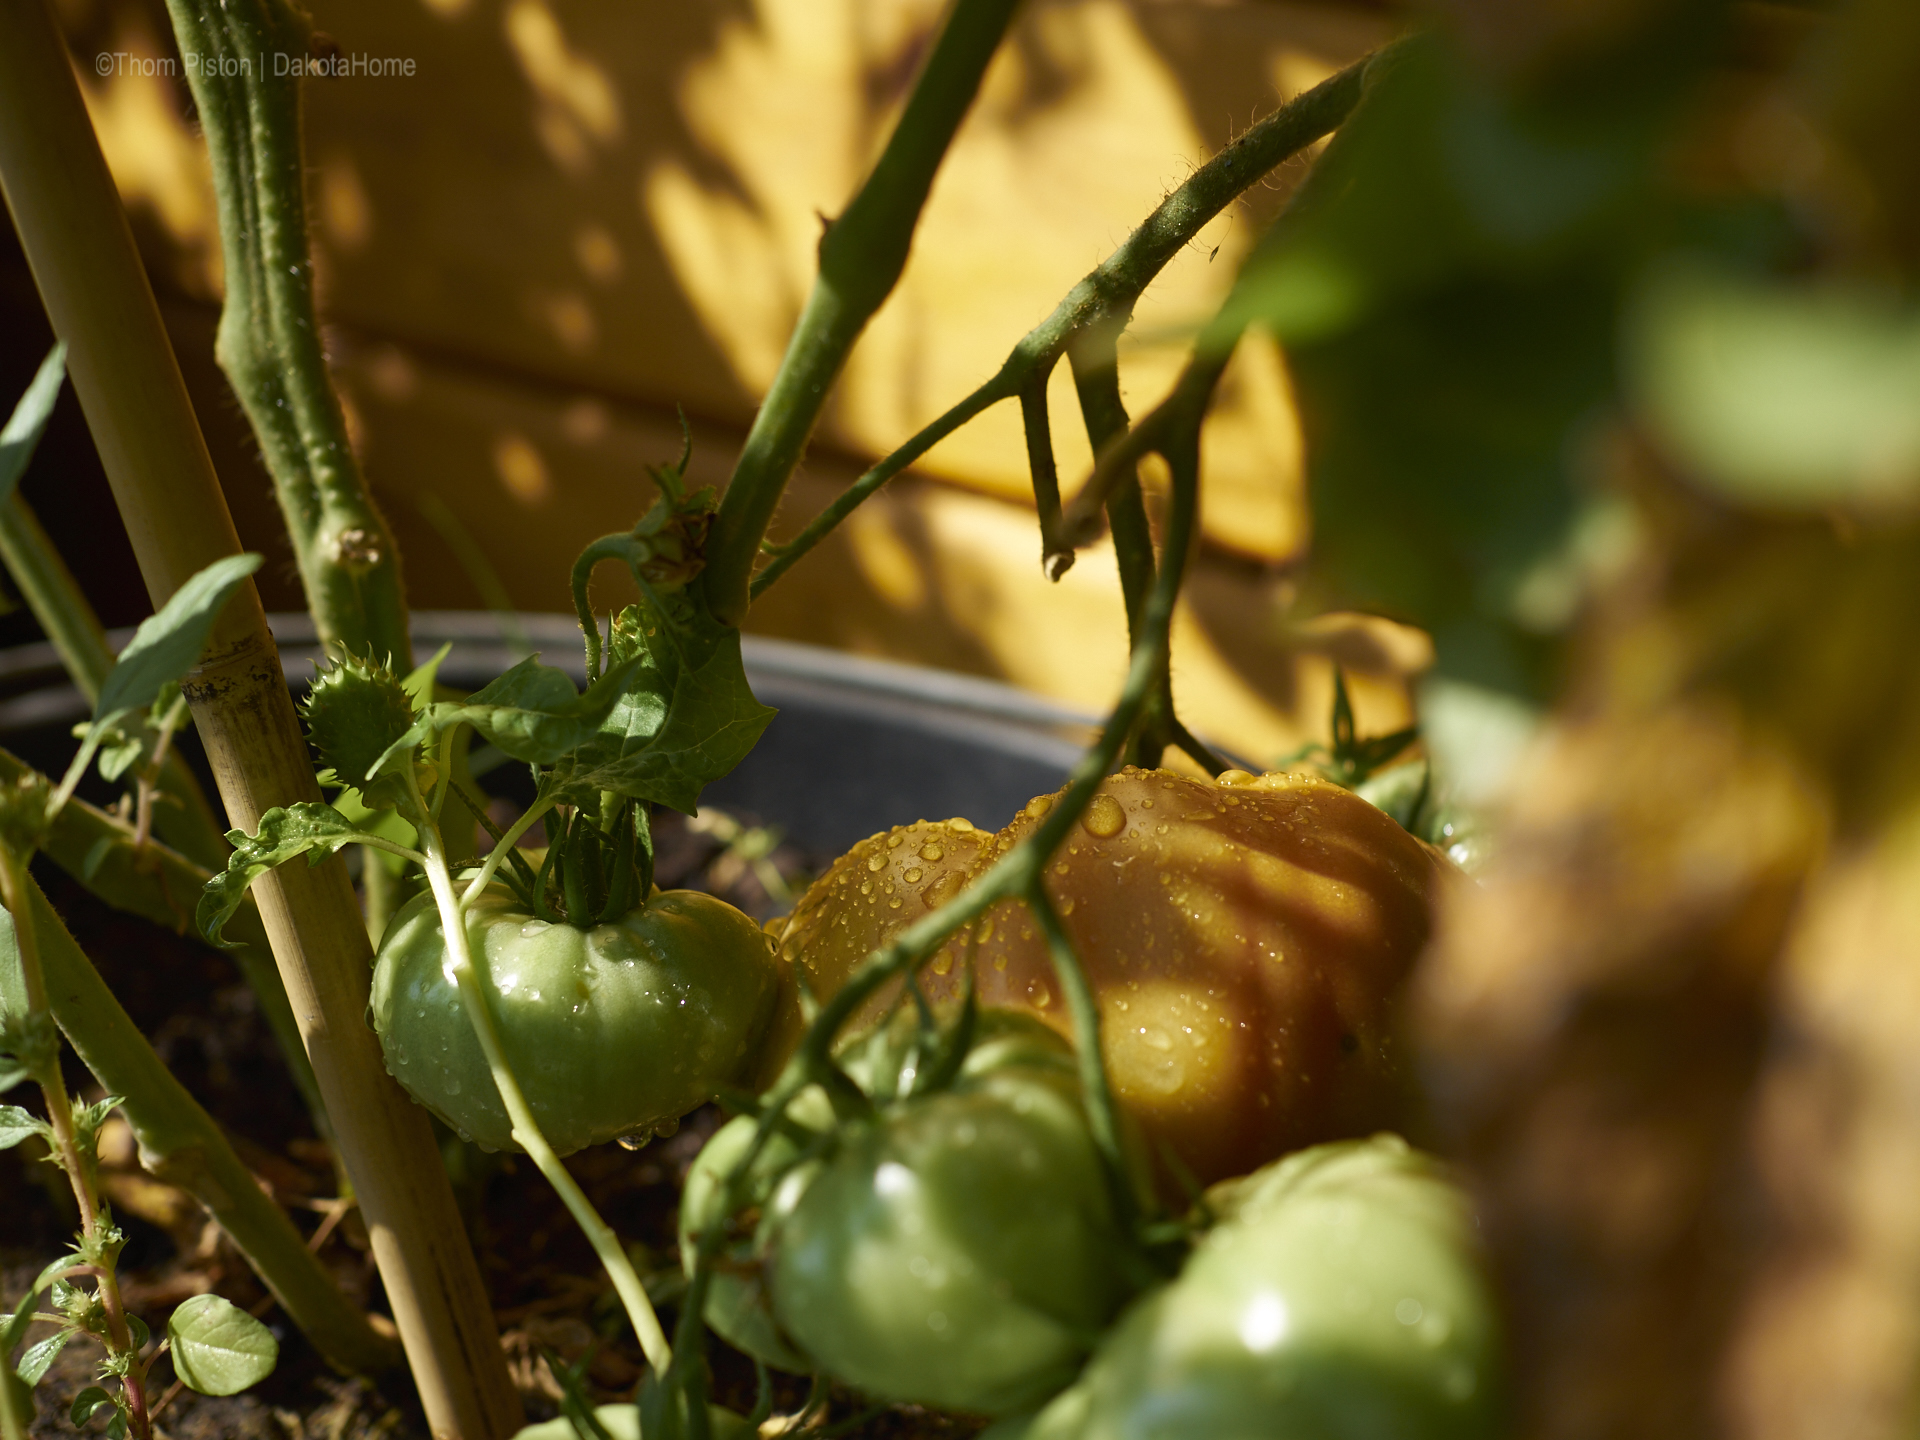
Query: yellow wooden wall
x,y
573,217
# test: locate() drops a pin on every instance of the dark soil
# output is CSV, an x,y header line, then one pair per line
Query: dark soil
x,y
547,1290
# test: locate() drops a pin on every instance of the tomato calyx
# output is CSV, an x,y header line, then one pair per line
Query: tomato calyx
x,y
597,868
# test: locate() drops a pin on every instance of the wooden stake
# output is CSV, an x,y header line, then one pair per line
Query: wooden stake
x,y
81,250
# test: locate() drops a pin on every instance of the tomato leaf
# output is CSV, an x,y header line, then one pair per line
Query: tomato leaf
x,y
532,712
688,719
219,1349
315,831
29,420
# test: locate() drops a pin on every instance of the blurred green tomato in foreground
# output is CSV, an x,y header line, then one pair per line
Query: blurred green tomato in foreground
x,y
1339,1298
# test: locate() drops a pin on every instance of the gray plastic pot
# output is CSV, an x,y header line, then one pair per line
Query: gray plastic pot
x,y
858,745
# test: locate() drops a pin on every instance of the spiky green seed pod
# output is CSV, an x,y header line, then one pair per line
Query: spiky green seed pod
x,y
354,711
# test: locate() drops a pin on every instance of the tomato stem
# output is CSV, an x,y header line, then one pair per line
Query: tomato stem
x,y
475,1001
1105,297
504,847
1102,1114
862,254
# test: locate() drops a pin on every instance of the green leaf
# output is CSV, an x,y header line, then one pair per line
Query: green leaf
x,y
17,1125
29,420
532,712
168,644
688,719
1778,395
315,831
11,1075
40,1356
87,1403
219,1349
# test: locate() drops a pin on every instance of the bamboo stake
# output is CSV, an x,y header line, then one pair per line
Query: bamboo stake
x,y
82,254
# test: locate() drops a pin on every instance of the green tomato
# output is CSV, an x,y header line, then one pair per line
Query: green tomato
x,y
960,1251
883,1062
1339,1298
739,1308
614,1031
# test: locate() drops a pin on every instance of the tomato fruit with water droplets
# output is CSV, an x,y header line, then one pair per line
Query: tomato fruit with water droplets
x,y
960,1250
1246,940
612,1031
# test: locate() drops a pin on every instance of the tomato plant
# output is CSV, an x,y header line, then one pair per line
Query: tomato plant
x,y
615,1031
1245,938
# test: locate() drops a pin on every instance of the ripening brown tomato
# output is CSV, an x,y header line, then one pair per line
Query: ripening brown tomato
x,y
881,885
1246,940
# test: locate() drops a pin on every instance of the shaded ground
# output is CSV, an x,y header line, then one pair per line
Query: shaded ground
x,y
546,1288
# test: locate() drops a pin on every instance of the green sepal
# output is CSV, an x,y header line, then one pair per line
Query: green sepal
x,y
316,831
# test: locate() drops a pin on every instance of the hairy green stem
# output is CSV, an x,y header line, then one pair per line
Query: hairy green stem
x,y
861,257
475,1000
269,341
183,1145
1105,298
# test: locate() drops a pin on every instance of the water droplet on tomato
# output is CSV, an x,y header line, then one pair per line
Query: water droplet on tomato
x,y
1039,806
914,875
960,825
1066,905
932,850
876,861
1104,818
